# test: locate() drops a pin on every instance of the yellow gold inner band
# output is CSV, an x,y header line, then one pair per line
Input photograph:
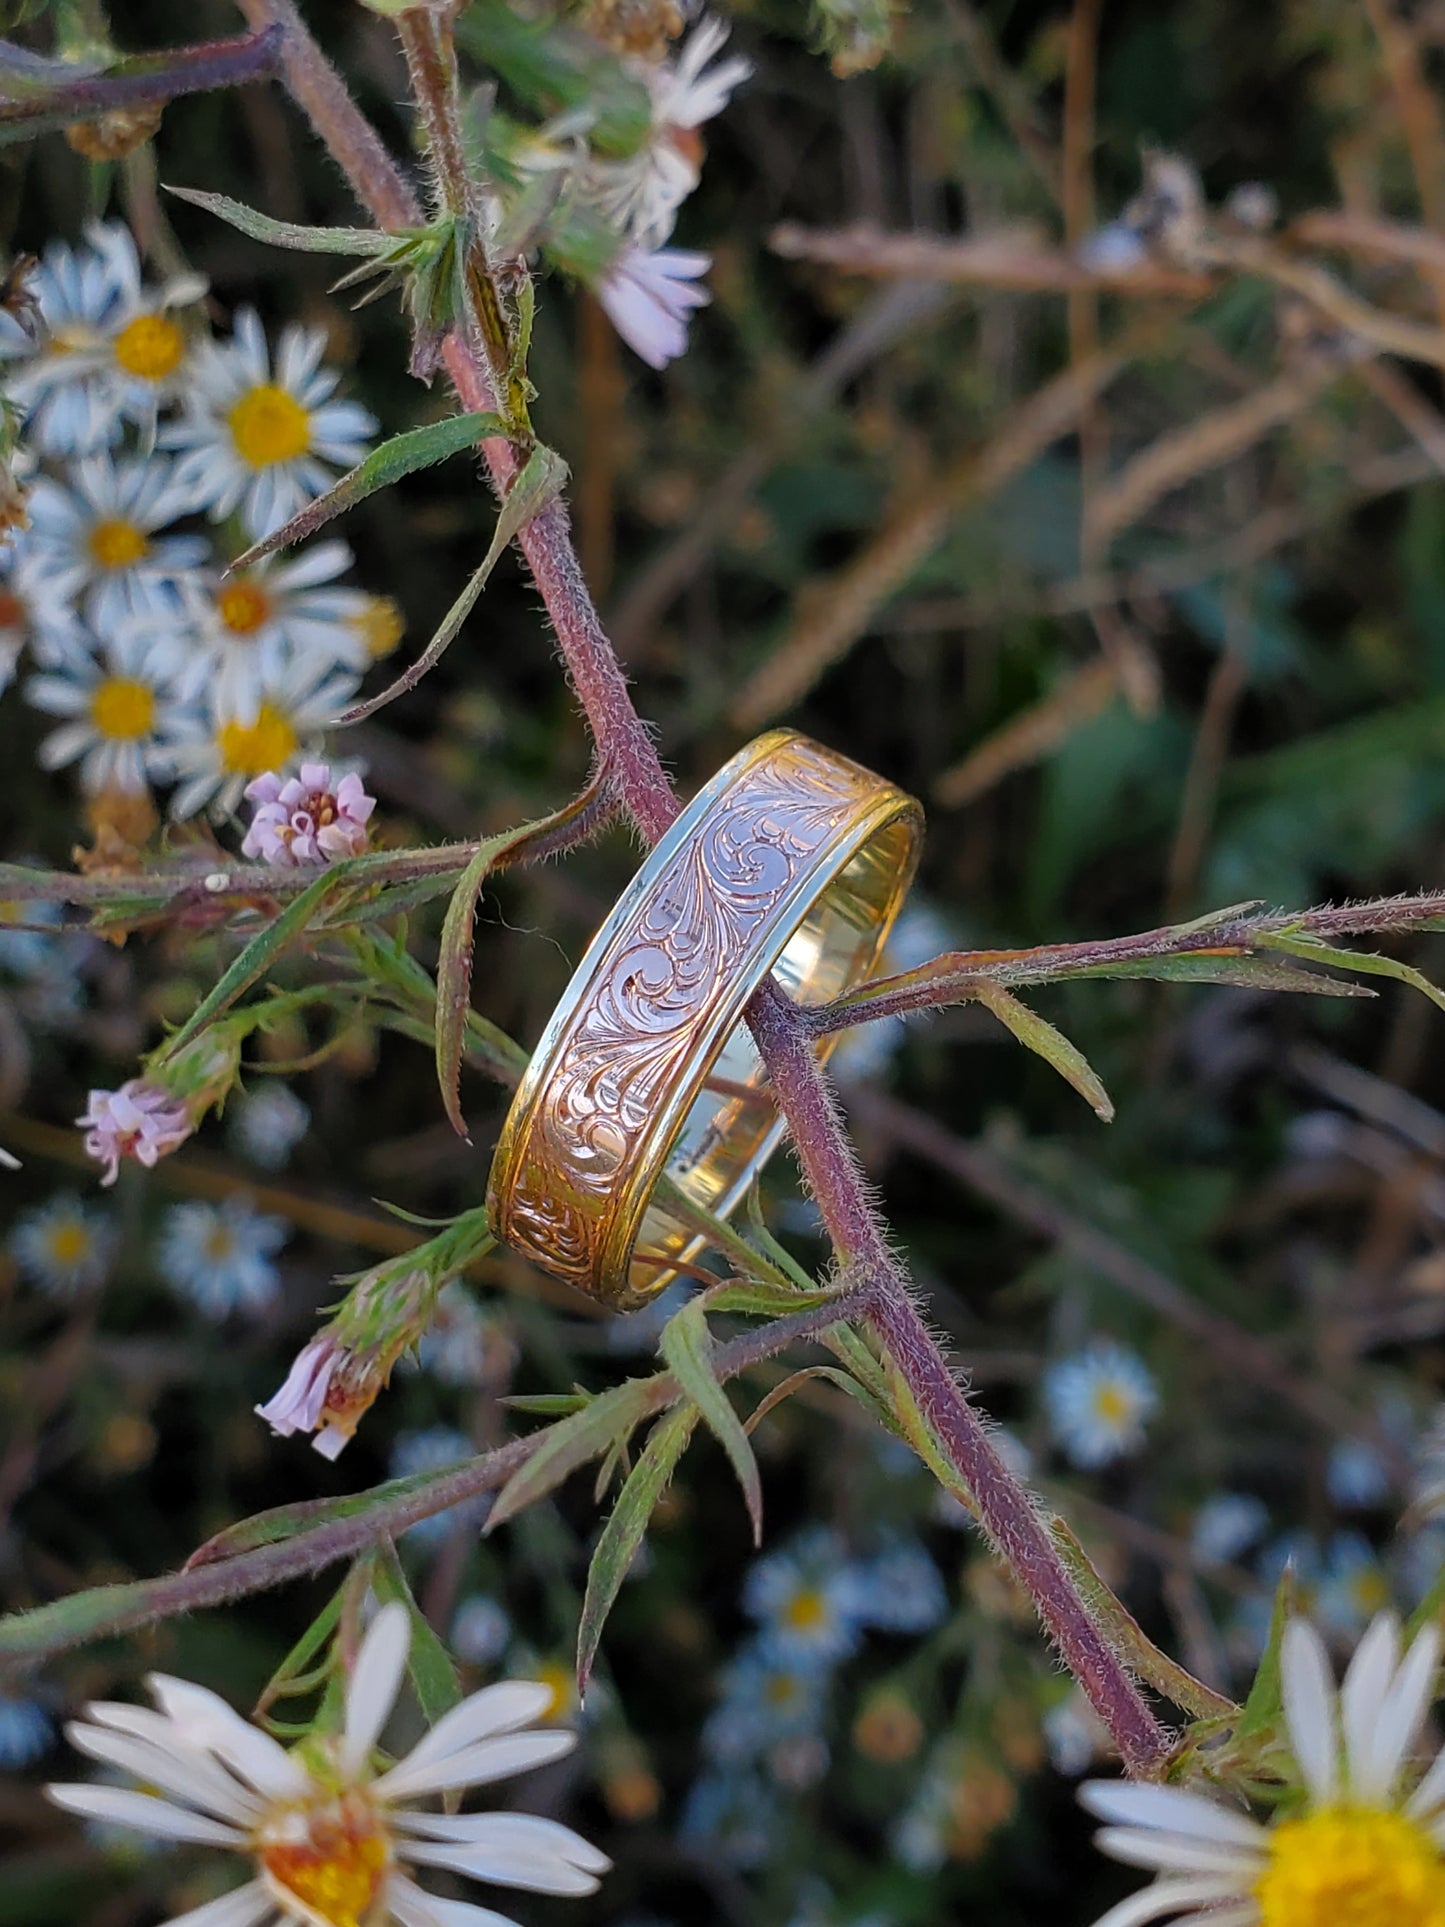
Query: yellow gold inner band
x,y
792,860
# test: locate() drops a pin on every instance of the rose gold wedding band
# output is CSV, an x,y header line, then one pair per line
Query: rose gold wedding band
x,y
792,860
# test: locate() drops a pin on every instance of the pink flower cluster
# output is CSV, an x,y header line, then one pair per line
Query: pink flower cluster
x,y
327,1390
304,820
138,1121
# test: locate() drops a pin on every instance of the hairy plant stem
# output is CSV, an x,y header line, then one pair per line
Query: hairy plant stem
x,y
629,756
214,1574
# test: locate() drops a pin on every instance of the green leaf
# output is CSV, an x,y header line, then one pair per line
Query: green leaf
x,y
1251,973
757,1299
254,960
404,454
571,1443
547,1404
539,482
844,1381
1138,1652
302,1515
1264,1707
1366,962
433,1675
625,1527
1037,1035
286,234
454,961
291,1676
686,1347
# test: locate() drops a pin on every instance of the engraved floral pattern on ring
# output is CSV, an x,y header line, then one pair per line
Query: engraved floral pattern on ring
x,y
663,994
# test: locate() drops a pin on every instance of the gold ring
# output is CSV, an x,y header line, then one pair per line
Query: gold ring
x,y
792,859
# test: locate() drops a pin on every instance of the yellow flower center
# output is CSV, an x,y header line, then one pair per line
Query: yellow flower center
x,y
123,708
1351,1867
561,1681
69,1242
250,749
243,607
806,1611
782,1690
382,626
150,347
116,545
326,1861
1111,1405
268,426
220,1244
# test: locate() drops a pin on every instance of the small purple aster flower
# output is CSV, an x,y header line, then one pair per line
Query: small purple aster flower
x,y
648,296
138,1121
304,820
301,1401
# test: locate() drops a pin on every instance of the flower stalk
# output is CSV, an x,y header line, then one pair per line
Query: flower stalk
x,y
626,752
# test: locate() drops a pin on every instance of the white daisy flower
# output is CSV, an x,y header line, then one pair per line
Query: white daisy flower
x,y
648,297
96,540
214,754
55,375
145,355
119,709
64,1245
1098,1402
32,611
1362,1849
250,626
331,1839
220,1256
640,195
260,440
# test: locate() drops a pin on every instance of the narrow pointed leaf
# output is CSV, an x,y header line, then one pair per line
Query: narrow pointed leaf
x,y
571,1443
686,1347
1367,963
543,478
844,1381
1249,973
1129,1640
433,1675
1040,1036
454,961
256,958
626,1525
286,234
1264,1707
404,454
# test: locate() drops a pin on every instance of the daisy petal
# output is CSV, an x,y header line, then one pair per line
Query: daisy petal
x,y
413,1907
523,1832
1309,1702
1398,1719
538,1873
243,1907
143,1812
374,1685
1171,1809
1174,1853
1169,1897
185,1775
206,1719
1362,1695
475,1765
496,1709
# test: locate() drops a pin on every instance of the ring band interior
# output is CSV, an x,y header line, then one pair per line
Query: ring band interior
x,y
732,1127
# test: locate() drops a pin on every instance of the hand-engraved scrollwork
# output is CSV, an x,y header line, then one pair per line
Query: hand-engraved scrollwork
x,y
666,980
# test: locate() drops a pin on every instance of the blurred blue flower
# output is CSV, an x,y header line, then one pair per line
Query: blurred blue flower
x,y
64,1245
899,1590
1356,1476
732,1817
1354,1586
453,1348
1228,1524
767,1699
1074,1735
805,1597
219,1256
480,1630
1098,1402
268,1124
25,1732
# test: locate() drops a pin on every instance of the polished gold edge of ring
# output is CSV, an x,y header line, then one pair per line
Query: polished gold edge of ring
x,y
628,1050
